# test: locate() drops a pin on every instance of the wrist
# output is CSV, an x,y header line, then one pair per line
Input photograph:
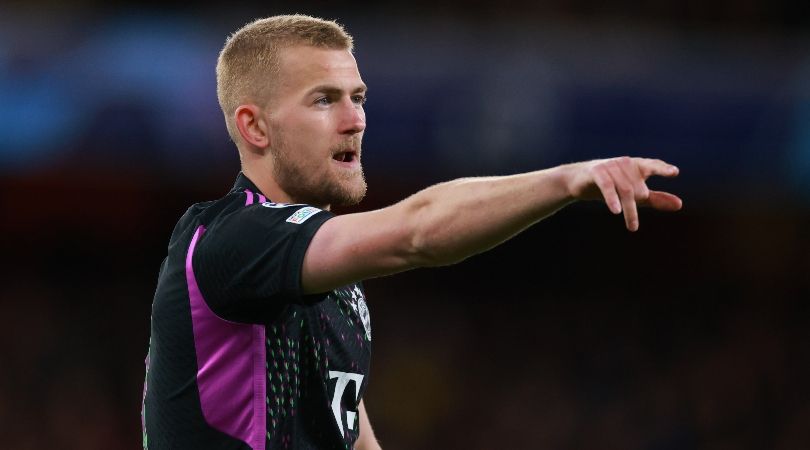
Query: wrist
x,y
563,180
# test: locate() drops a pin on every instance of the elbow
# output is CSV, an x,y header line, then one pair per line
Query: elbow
x,y
422,249
422,253
432,241
436,255
431,246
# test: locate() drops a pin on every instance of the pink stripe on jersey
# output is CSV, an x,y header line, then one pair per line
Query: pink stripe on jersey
x,y
262,198
249,200
231,363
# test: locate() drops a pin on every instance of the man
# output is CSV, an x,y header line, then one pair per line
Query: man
x,y
260,331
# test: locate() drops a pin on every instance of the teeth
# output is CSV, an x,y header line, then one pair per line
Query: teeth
x,y
347,156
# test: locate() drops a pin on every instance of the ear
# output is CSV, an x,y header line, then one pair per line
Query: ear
x,y
252,126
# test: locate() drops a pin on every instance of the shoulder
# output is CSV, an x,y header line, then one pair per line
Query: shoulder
x,y
208,214
266,217
239,208
238,230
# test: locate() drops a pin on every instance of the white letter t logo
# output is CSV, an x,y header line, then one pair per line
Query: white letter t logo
x,y
343,379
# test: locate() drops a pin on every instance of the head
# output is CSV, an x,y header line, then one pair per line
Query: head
x,y
293,99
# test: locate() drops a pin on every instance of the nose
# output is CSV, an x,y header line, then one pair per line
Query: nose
x,y
352,117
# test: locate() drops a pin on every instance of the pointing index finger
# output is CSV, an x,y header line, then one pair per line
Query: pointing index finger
x,y
650,167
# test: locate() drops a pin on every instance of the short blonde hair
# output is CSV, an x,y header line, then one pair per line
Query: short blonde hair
x,y
250,57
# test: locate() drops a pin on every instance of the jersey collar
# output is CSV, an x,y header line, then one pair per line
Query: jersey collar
x,y
243,182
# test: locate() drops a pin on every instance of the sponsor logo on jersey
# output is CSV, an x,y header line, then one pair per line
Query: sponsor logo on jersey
x,y
303,214
343,380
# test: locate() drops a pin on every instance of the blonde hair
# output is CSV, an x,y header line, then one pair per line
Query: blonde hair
x,y
249,61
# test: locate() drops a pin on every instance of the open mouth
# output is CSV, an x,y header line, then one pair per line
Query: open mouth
x,y
346,157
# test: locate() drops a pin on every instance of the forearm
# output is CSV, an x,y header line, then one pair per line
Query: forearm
x,y
457,219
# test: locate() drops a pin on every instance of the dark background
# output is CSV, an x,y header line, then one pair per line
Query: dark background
x,y
689,334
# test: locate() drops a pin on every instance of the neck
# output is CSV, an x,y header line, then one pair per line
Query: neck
x,y
263,179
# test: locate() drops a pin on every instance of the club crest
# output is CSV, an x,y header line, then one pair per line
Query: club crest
x,y
358,302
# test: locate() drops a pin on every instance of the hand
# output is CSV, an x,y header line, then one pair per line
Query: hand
x,y
621,183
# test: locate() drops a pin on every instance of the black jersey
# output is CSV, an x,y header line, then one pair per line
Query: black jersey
x,y
238,357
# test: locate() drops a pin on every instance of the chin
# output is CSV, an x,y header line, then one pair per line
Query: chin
x,y
333,194
352,198
350,190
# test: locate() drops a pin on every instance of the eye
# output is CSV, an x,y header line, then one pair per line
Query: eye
x,y
323,101
359,99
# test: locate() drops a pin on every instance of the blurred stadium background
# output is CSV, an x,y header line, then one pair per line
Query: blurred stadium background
x,y
693,333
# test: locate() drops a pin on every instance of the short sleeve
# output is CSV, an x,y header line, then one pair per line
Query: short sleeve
x,y
248,262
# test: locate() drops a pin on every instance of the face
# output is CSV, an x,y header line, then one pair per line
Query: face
x,y
316,122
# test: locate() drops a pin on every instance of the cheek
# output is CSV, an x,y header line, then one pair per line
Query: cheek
x,y
308,137
311,128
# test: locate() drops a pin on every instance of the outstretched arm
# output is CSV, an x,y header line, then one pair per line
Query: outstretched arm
x,y
451,221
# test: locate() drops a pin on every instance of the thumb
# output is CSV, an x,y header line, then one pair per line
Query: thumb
x,y
664,201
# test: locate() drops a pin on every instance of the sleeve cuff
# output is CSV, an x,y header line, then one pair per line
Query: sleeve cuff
x,y
295,262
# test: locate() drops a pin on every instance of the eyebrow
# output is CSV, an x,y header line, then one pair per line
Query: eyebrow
x,y
330,89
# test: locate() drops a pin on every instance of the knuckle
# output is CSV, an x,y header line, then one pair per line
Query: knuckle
x,y
597,172
643,194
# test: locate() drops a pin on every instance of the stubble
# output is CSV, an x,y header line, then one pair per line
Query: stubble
x,y
316,183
